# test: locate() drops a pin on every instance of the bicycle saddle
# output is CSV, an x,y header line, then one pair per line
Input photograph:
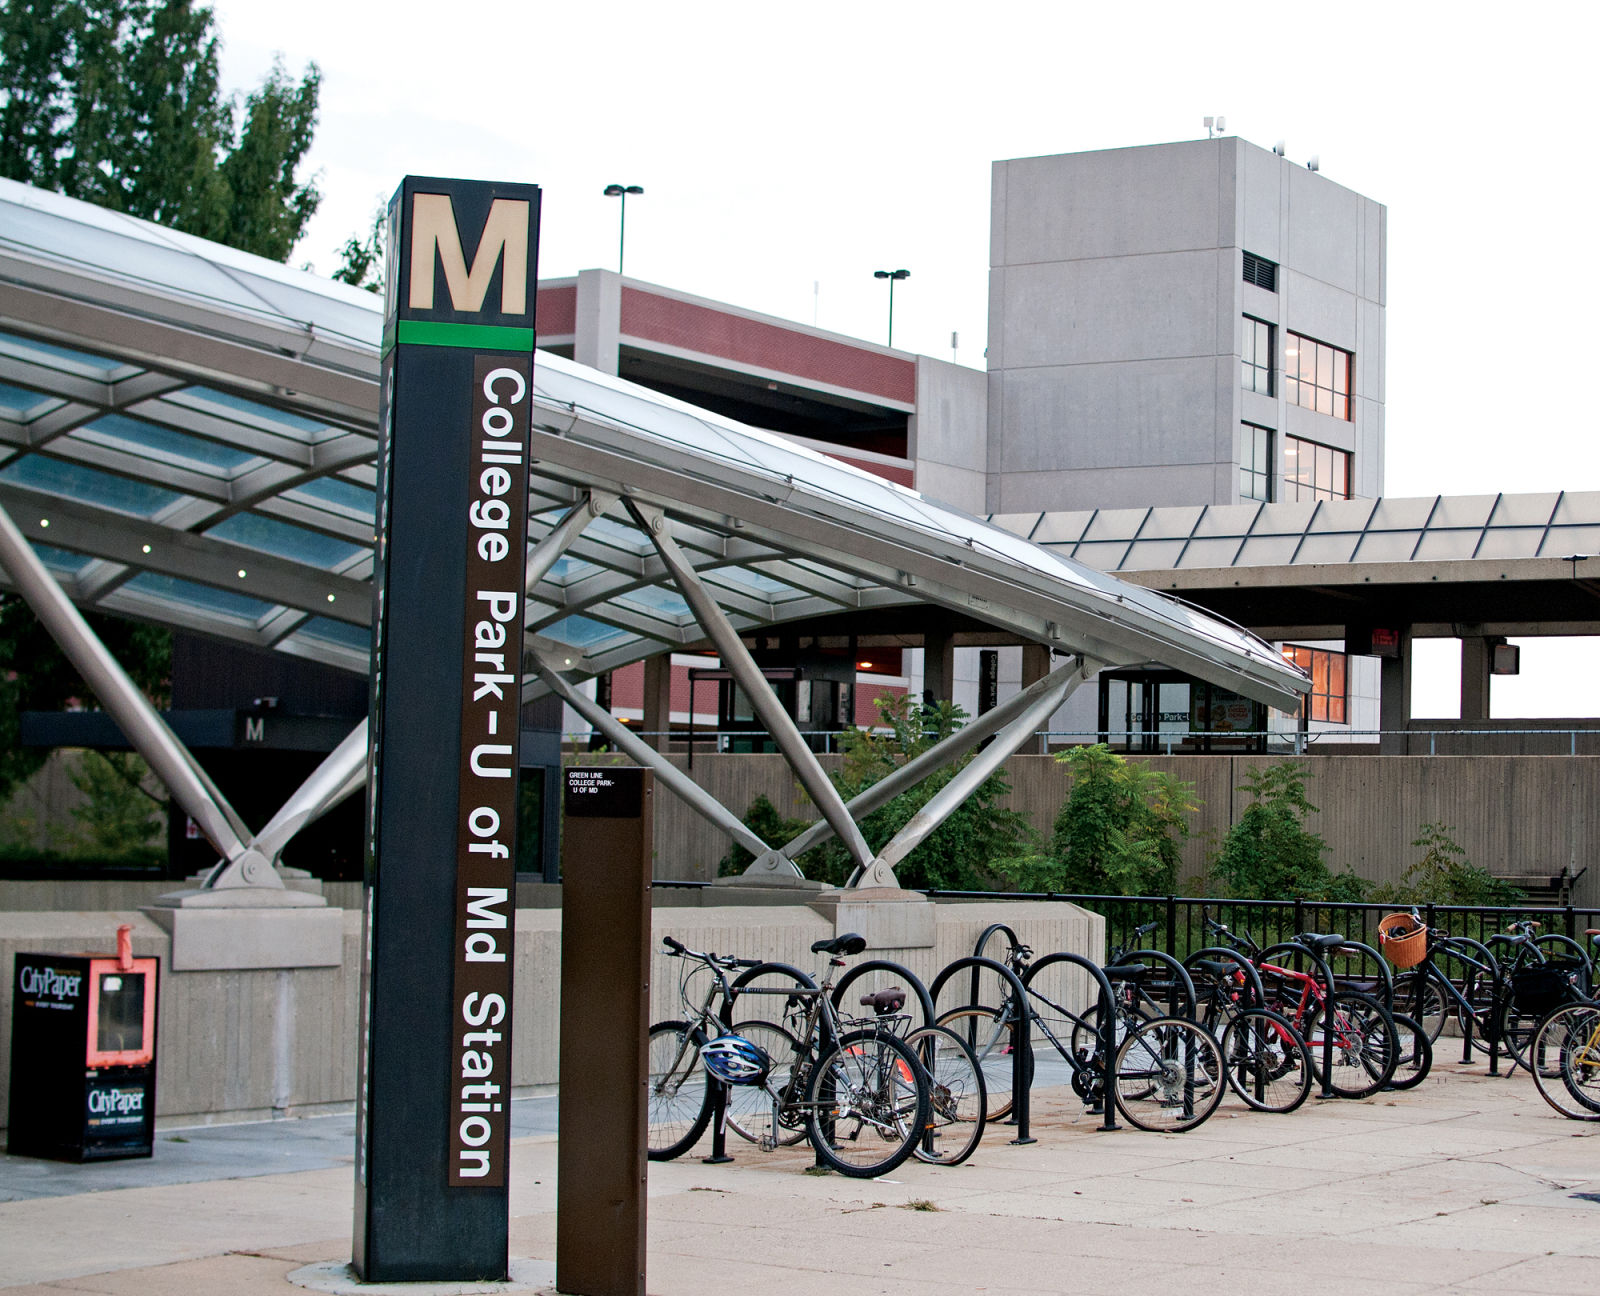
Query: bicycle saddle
x,y
1126,971
849,943
884,1002
1216,968
1331,941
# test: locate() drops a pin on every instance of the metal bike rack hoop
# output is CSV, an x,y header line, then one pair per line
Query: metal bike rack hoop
x,y
1245,965
1108,1023
1181,973
912,980
1021,1048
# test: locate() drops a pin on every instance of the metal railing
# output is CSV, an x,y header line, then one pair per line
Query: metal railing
x,y
1183,926
1150,742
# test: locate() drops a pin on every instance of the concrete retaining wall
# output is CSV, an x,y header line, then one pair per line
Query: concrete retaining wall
x,y
1512,814
252,1045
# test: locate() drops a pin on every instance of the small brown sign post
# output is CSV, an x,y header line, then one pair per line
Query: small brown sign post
x,y
605,1006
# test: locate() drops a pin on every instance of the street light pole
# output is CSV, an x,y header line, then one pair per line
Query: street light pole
x,y
622,192
891,276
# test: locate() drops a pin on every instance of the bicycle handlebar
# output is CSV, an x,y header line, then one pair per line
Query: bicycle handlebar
x,y
680,950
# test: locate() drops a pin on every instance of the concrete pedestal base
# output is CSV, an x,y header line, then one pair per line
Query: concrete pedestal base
x,y
888,917
248,928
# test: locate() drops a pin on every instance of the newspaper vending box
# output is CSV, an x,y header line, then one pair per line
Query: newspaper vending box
x,y
83,1055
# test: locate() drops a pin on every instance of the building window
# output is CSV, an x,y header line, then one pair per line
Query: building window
x,y
1255,462
1316,376
1314,472
1255,371
1326,701
1260,272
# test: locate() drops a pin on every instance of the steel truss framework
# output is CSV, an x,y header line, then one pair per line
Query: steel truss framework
x,y
187,436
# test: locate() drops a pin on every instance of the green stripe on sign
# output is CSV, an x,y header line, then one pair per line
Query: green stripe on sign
x,y
470,337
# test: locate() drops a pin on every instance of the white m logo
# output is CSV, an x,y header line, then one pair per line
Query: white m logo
x,y
505,235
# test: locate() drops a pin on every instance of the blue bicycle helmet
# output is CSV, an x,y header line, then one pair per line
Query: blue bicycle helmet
x,y
735,1060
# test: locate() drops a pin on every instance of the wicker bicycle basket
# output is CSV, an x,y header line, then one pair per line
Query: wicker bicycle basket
x,y
1404,940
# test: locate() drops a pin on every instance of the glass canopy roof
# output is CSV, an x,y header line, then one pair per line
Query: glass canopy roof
x,y
188,433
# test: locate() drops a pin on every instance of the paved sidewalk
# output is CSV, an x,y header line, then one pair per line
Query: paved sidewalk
x,y
1464,1184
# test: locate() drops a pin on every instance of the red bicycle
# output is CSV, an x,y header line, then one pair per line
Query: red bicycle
x,y
1353,1039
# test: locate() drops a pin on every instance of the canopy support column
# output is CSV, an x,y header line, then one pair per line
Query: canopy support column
x,y
342,773
747,675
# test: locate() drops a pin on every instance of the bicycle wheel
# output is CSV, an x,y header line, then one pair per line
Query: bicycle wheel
x,y
753,1110
1420,998
867,1104
1268,1064
1415,1053
1364,1047
1169,1076
991,1035
1565,1057
678,1092
956,1096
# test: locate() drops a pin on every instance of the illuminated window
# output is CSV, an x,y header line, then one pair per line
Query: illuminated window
x,y
1260,272
1314,472
1255,370
1316,376
1255,462
1326,701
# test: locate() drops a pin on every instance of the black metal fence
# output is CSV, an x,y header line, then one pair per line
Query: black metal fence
x,y
1181,920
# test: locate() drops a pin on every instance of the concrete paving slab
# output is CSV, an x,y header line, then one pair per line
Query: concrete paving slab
x,y
1453,1187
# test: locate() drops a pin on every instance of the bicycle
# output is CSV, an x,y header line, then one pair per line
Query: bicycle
x,y
680,1093
1502,1002
1350,1035
957,1095
1564,1056
1268,1064
852,1086
1165,1073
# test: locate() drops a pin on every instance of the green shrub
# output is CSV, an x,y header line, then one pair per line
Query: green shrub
x,y
1120,831
763,819
1445,876
1270,854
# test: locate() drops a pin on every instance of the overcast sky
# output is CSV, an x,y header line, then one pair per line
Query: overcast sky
x,y
788,151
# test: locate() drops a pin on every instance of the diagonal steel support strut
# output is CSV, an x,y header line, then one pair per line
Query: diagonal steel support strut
x,y
344,771
941,754
802,760
880,873
191,787
674,779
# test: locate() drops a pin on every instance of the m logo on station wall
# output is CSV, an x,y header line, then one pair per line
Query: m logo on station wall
x,y
435,240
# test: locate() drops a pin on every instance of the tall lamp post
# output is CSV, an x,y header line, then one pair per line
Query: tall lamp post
x,y
891,276
622,192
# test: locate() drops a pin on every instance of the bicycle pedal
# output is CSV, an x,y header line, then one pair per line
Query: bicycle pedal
x,y
767,1143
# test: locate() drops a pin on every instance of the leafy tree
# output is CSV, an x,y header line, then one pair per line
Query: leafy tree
x,y
1119,832
34,676
119,102
120,819
1445,876
1270,854
361,260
